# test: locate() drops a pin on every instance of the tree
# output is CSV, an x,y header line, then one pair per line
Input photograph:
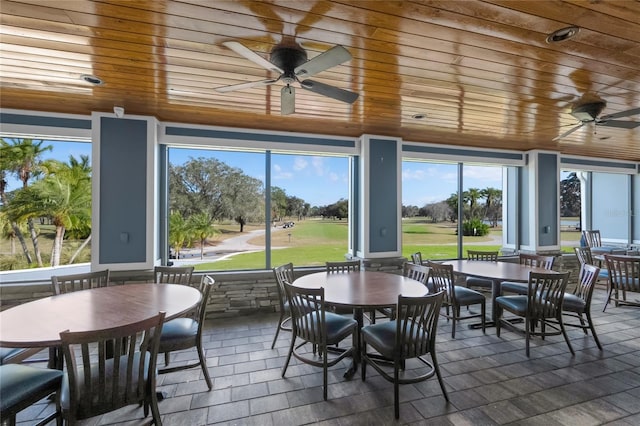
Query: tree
x,y
438,212
570,204
179,232
278,203
471,196
64,196
452,201
201,225
493,205
410,211
24,161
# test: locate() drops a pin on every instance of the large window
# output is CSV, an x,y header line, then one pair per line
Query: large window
x,y
430,200
570,210
45,203
220,201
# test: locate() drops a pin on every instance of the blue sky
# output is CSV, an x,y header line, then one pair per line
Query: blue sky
x,y
322,180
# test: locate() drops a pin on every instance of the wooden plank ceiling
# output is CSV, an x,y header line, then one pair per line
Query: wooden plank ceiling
x,y
480,71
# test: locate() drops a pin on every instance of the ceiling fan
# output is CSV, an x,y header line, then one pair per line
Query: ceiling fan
x,y
289,59
589,112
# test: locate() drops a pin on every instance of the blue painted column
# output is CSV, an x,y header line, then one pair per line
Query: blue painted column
x,y
380,202
532,211
125,192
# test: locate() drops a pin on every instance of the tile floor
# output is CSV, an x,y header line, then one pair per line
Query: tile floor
x,y
489,379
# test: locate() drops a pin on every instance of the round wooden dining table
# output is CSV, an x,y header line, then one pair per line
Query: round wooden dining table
x,y
362,290
39,323
497,272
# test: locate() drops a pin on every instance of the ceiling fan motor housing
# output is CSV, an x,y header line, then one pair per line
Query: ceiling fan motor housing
x,y
588,112
287,58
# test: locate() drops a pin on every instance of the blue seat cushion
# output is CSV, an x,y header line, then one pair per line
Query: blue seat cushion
x,y
573,303
466,296
478,282
512,287
382,337
337,326
8,353
20,383
515,304
176,331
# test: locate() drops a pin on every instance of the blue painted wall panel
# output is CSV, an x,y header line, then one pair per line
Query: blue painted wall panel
x,y
548,197
123,180
383,196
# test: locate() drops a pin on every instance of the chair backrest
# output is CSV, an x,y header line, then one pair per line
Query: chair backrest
x,y
207,285
344,266
584,255
172,274
487,256
443,280
307,323
416,324
624,272
417,258
536,260
592,238
100,383
546,293
586,282
61,284
283,274
416,272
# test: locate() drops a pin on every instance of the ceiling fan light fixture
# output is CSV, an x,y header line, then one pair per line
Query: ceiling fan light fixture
x,y
563,34
92,79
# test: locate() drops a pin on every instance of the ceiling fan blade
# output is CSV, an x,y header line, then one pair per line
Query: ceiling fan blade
x,y
621,114
242,86
620,124
329,91
327,59
567,133
288,100
242,50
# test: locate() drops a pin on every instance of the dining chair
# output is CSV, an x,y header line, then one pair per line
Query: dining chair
x,y
532,260
624,276
455,296
318,327
481,256
95,383
22,386
411,335
282,274
186,333
584,256
578,303
416,258
419,273
61,284
342,267
541,305
172,274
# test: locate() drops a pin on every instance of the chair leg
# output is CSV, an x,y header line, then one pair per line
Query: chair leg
x,y
453,322
278,329
203,365
155,412
437,368
527,325
396,389
286,364
608,299
593,330
325,372
167,356
564,333
483,310
582,324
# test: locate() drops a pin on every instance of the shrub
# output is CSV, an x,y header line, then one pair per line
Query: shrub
x,y
474,228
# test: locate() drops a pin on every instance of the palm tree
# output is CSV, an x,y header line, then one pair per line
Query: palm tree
x,y
5,168
179,232
472,195
64,195
24,157
493,204
201,224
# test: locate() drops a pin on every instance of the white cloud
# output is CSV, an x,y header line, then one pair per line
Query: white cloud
x,y
333,177
280,174
299,164
318,165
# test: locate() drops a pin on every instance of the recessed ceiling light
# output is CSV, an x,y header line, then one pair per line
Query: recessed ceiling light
x,y
562,34
92,79
419,116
